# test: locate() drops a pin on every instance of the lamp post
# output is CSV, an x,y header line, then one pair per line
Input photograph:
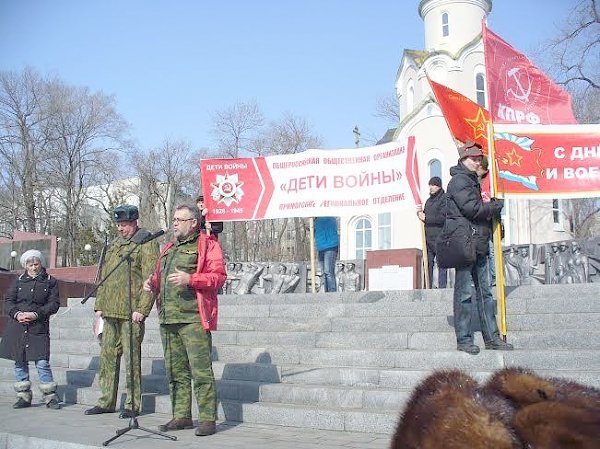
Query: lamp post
x,y
13,256
87,248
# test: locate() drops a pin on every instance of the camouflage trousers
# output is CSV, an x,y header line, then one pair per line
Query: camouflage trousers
x,y
187,349
115,343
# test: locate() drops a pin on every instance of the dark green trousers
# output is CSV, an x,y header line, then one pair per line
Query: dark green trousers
x,y
187,349
115,343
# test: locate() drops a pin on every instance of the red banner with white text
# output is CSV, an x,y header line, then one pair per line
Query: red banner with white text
x,y
518,91
549,161
313,183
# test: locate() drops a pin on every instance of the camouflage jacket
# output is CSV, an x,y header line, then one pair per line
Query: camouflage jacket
x,y
112,296
201,256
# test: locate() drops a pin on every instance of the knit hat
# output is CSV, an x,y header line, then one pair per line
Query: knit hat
x,y
31,254
469,149
435,181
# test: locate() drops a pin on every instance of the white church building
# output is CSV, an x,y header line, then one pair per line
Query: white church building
x,y
452,56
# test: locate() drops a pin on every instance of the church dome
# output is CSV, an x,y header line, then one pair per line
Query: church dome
x,y
451,24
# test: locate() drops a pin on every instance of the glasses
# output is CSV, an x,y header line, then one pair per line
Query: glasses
x,y
179,220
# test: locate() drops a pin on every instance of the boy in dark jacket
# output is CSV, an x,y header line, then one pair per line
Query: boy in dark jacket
x,y
465,203
434,217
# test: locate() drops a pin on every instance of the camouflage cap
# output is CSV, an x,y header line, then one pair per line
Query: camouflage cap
x,y
125,212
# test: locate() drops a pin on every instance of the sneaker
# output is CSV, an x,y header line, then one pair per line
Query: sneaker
x,y
499,345
53,404
177,424
95,410
205,428
469,349
21,403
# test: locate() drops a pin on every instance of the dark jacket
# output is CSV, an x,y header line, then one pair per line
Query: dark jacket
x,y
435,217
464,202
29,342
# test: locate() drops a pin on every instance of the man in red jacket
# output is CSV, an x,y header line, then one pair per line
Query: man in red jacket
x,y
188,274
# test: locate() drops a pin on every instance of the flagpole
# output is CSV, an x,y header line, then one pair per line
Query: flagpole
x,y
497,237
496,223
425,256
311,225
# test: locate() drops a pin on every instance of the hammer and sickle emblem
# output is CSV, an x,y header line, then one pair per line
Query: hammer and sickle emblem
x,y
519,92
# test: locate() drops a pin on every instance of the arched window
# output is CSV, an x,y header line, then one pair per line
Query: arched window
x,y
480,89
445,25
384,231
363,233
435,168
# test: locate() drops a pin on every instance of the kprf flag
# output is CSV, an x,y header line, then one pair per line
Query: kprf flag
x,y
518,91
313,183
466,119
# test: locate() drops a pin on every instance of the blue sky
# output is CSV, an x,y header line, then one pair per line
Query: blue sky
x,y
171,63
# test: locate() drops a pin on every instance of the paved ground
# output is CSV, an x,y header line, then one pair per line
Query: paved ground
x,y
40,428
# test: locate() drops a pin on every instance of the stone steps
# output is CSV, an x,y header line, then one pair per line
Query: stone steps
x,y
339,361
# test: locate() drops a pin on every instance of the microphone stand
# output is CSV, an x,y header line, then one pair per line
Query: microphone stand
x,y
133,422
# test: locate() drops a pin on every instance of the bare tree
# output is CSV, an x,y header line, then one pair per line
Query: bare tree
x,y
388,108
234,127
583,215
289,135
574,55
168,175
23,107
79,128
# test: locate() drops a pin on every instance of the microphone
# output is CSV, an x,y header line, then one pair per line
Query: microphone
x,y
149,236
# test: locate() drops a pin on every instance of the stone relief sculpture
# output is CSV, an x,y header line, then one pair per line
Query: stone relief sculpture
x,y
577,265
525,264
276,279
291,281
550,262
350,279
564,262
511,275
339,271
248,278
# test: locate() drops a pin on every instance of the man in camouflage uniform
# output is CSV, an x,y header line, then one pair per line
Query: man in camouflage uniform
x,y
112,304
188,275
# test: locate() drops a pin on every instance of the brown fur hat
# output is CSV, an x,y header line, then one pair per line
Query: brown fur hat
x,y
549,413
444,412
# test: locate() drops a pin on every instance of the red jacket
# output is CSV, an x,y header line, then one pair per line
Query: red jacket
x,y
209,277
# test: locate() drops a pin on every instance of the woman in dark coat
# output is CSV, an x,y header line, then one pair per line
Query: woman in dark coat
x,y
30,301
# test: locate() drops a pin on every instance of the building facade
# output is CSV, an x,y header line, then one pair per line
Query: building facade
x,y
453,56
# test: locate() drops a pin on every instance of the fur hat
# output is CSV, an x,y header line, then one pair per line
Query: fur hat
x,y
469,149
31,254
125,212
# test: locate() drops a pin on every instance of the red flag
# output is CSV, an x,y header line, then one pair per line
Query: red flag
x,y
518,91
465,118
